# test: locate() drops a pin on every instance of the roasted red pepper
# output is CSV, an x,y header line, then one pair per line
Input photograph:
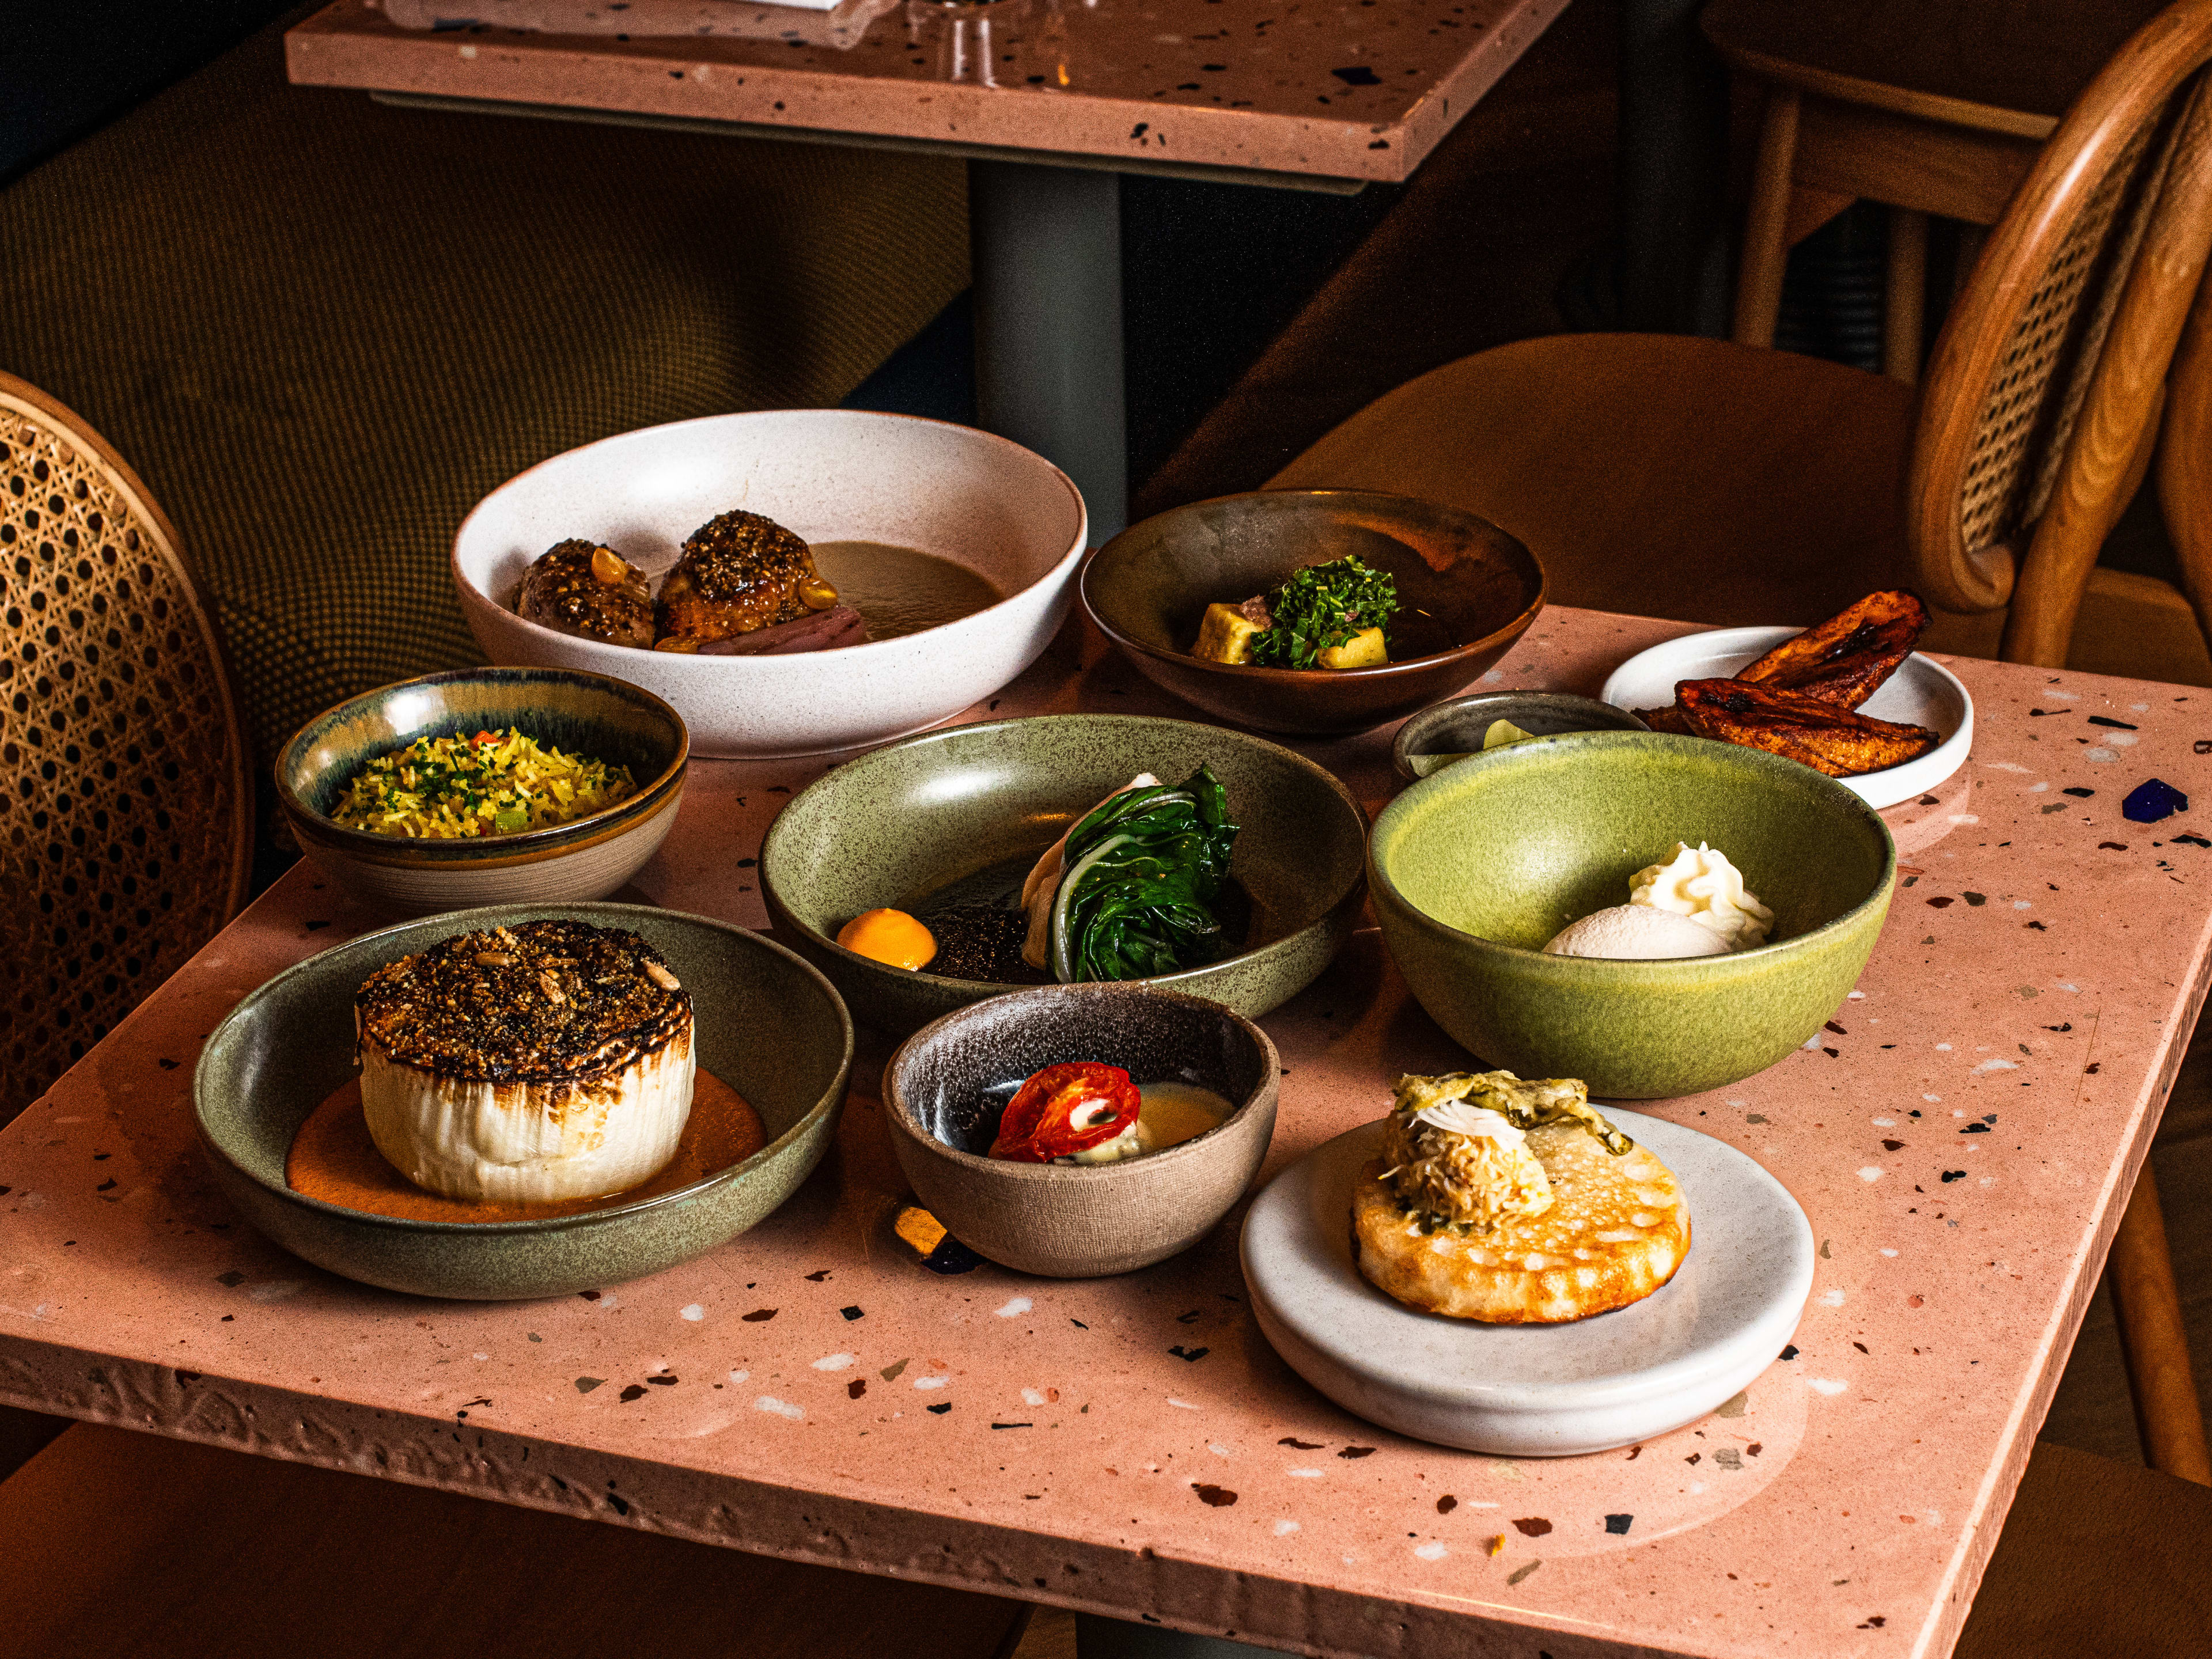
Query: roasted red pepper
x,y
1066,1109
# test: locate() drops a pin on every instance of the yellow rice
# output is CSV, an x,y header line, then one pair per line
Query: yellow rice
x,y
495,783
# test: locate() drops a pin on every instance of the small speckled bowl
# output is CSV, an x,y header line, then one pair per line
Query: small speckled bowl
x,y
1475,869
576,713
1457,726
975,804
947,1083
1148,588
767,1024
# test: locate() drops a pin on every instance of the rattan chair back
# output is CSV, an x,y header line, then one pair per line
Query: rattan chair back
x,y
2040,407
125,815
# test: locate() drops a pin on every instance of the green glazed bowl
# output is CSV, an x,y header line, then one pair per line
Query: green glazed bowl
x,y
967,805
767,1025
576,713
1475,869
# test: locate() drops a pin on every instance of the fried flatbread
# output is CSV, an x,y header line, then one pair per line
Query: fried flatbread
x,y
1845,660
1840,742
1617,1229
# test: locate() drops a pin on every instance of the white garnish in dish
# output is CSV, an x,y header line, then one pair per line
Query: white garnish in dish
x,y
1702,885
1464,1119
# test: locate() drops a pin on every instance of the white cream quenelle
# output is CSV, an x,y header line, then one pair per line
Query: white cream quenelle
x,y
1702,885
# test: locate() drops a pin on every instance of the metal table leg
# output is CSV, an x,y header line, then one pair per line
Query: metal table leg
x,y
1046,243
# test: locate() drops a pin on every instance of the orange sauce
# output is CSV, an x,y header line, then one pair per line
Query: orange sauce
x,y
333,1158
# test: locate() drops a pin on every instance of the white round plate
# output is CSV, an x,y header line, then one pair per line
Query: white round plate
x,y
1006,513
1534,1390
1920,693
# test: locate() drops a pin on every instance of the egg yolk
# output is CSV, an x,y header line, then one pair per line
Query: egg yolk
x,y
889,936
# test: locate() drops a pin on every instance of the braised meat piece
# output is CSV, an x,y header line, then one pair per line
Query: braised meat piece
x,y
590,591
738,574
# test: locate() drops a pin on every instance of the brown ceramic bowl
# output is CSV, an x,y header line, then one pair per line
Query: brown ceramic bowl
x,y
948,1082
1467,591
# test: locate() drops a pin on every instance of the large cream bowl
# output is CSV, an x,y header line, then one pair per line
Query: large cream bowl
x,y
829,474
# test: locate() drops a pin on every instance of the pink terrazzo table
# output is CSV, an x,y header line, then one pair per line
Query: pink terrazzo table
x,y
1051,101
1961,1139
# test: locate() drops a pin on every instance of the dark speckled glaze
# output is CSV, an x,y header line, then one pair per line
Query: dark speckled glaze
x,y
768,1024
579,713
1475,869
894,827
944,1085
1148,588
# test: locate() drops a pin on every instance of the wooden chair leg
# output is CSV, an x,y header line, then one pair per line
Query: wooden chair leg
x,y
1905,295
2155,1342
1765,249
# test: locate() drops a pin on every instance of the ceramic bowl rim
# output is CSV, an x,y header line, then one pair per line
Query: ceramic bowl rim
x,y
1402,755
603,915
382,848
1259,674
991,987
899,1113
758,664
1590,967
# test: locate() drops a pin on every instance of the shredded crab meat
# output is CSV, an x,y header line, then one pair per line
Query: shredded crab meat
x,y
1456,1146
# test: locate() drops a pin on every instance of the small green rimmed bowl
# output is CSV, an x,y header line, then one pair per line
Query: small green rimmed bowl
x,y
579,713
765,1023
1475,869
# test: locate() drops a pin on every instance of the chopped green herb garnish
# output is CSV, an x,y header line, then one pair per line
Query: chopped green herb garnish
x,y
1322,607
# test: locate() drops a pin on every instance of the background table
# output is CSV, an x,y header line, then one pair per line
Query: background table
x,y
1052,101
1961,1136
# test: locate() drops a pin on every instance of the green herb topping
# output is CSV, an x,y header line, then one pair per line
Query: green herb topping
x,y
1321,606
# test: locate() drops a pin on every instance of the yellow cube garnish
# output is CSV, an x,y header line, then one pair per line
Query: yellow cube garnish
x,y
1226,635
1364,649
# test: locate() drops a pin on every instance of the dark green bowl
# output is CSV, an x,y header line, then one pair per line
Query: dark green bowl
x,y
1475,869
898,826
579,713
767,1025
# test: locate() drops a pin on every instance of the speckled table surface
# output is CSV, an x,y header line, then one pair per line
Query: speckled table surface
x,y
1961,1137
1359,90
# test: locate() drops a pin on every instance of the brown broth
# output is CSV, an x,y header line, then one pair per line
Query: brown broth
x,y
902,590
334,1159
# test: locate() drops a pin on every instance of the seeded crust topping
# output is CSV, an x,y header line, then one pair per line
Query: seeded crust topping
x,y
738,572
590,591
539,1002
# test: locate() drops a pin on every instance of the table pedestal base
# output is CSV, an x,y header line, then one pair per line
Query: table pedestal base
x,y
1100,1638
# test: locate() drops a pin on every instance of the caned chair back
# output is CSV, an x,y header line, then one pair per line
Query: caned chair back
x,y
2040,410
125,815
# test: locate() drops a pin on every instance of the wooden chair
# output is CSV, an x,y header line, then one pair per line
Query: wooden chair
x,y
1933,108
134,1547
1715,482
125,816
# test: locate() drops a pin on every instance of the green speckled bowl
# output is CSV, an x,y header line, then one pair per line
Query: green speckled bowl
x,y
576,713
1475,868
898,826
768,1024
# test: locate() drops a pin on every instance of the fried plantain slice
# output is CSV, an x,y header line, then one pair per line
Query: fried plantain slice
x,y
1837,741
1845,660
1670,718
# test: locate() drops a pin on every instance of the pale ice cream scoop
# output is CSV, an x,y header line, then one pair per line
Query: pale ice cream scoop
x,y
1701,885
1637,933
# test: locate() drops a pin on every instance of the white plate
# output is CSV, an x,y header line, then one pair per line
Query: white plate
x,y
1920,693
1534,1390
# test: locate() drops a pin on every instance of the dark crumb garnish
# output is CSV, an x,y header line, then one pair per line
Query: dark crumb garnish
x,y
980,941
537,1002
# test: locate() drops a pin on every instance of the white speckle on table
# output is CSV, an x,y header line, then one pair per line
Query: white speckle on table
x,y
769,1402
1020,1305
1033,1396
1831,1298
1696,1486
1943,1047
1304,1474
2064,696
1956,1113
931,1381
2022,904
1491,678
1284,1528
1739,1102
1813,1041
2101,753
479,1356
2139,708
1828,1385
1218,1448
1883,1122
1432,1551
1998,1065
1989,1180
2037,788
1184,1404
275,1290
1351,1560
1482,1504
2004,766
468,52
739,1377
695,1313
833,1362
2121,739
1965,818
608,1302
2063,986
1856,996
1933,1100
1870,1172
